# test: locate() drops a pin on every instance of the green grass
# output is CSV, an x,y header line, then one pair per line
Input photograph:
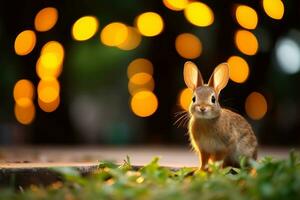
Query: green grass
x,y
267,179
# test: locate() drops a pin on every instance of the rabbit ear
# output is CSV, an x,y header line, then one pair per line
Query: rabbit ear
x,y
219,78
192,76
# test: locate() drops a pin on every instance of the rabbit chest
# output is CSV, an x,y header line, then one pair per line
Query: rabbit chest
x,y
211,144
207,137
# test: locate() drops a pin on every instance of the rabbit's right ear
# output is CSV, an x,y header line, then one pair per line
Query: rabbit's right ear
x,y
192,76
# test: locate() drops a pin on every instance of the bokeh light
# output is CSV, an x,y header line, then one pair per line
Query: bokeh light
x,y
49,106
287,52
256,106
114,34
188,45
23,89
25,42
140,82
176,5
139,65
48,90
24,111
274,8
144,103
132,40
149,24
85,28
45,19
141,78
49,64
246,42
56,49
45,71
185,98
246,17
199,14
238,69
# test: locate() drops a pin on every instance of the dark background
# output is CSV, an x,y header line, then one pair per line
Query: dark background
x,y
94,105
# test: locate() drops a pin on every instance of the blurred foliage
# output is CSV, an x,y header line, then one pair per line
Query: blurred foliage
x,y
92,65
268,179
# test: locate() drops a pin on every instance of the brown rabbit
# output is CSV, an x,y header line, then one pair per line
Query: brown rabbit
x,y
216,133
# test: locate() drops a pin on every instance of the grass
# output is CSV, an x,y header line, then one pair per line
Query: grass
x,y
266,179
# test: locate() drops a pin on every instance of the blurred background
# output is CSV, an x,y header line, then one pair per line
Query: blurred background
x,y
110,72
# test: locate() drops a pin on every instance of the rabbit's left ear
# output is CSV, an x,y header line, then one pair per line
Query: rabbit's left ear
x,y
219,78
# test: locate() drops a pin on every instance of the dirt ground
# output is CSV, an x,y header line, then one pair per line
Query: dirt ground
x,y
42,156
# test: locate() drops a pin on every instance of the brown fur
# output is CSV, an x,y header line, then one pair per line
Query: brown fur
x,y
226,138
216,133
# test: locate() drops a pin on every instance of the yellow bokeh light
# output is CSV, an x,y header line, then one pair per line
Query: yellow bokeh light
x,y
246,17
144,103
49,106
199,14
246,42
48,90
140,82
25,42
49,60
176,5
24,111
149,24
188,45
23,89
238,69
185,98
139,65
45,19
47,71
85,28
132,40
114,34
49,64
256,106
53,48
274,8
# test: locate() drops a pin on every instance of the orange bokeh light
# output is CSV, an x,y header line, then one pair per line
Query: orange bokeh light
x,y
188,45
25,42
274,8
114,34
49,106
140,82
23,89
185,98
256,106
139,65
246,42
246,17
176,5
48,90
45,19
132,40
238,69
144,103
24,111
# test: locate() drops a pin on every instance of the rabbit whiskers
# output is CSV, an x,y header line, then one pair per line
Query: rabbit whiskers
x,y
182,120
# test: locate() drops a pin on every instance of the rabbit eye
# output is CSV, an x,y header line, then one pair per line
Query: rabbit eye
x,y
213,99
194,99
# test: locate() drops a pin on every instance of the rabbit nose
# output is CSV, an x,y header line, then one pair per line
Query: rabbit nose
x,y
202,109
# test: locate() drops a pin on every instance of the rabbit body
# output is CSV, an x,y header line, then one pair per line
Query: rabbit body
x,y
216,133
226,138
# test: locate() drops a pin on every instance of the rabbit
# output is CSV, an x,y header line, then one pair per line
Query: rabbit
x,y
216,133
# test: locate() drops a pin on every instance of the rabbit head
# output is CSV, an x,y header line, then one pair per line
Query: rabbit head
x,y
205,101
